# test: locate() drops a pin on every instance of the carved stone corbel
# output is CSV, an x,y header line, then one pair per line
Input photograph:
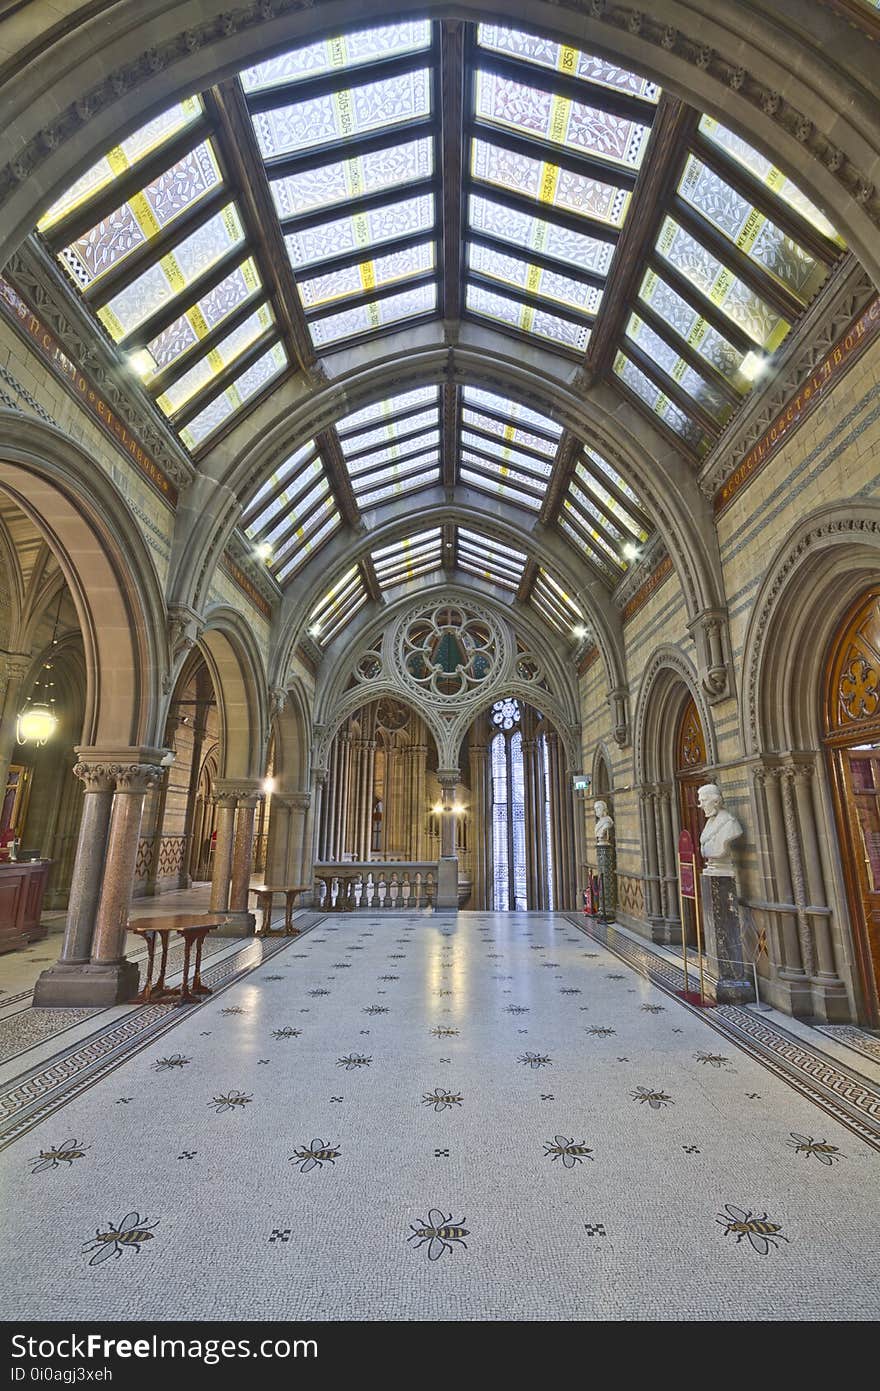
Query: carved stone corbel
x,y
710,635
618,700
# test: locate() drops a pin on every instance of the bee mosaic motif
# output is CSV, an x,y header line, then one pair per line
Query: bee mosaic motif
x,y
166,1064
653,1009
341,965
319,991
517,1009
440,1032
286,1032
129,1235
571,1152
806,1145
442,1099
569,990
353,1060
600,1031
535,1060
65,1153
233,1009
389,978
439,1232
654,1099
713,1059
229,1101
760,1232
376,1009
315,1155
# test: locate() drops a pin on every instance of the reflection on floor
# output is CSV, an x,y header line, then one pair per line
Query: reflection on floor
x,y
466,1117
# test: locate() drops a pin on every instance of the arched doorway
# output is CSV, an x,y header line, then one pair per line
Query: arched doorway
x,y
690,763
852,741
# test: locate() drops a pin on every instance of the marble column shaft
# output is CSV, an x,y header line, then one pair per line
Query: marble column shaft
x,y
91,853
222,868
242,854
132,782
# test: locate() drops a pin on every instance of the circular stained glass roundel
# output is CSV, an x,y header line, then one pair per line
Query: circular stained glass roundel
x,y
505,713
447,651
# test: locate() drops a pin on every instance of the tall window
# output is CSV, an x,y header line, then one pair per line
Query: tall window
x,y
508,808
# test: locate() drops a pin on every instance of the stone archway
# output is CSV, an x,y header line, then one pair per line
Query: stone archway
x,y
825,563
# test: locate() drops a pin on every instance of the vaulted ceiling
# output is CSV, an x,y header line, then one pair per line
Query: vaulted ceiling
x,y
417,172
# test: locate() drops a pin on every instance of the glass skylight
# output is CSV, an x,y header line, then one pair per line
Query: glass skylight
x,y
219,358
187,330
510,270
546,53
342,51
408,559
343,235
338,607
578,126
555,605
545,182
525,317
491,560
368,275
658,402
341,116
252,380
349,180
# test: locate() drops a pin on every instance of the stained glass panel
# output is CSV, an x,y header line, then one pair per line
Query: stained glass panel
x,y
603,466
220,357
510,270
390,101
209,311
346,234
669,361
779,183
547,116
123,156
750,230
252,380
383,434
394,405
719,284
694,329
593,485
170,276
306,531
112,240
406,305
534,233
512,434
295,475
578,541
581,513
409,449
659,403
548,184
503,484
511,312
513,410
499,450
307,547
547,54
297,509
369,275
352,179
409,485
342,51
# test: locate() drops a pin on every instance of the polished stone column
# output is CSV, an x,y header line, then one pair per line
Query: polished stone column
x,y
113,979
648,826
225,799
190,817
63,983
477,758
447,896
239,921
733,986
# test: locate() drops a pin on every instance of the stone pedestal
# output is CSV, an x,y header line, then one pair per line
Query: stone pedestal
x,y
447,882
607,863
723,945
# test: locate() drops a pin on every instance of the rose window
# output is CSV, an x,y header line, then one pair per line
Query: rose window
x,y
448,652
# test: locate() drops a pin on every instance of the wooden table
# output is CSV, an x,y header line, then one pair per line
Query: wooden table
x,y
265,895
22,883
193,929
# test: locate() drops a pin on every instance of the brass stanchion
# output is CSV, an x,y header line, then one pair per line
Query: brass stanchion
x,y
684,935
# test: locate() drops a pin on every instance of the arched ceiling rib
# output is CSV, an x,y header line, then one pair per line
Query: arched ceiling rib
x,y
416,171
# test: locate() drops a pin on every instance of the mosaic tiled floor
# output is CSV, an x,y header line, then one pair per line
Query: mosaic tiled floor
x,y
414,1117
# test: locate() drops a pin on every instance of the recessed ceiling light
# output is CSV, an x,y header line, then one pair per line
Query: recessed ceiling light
x,y
631,551
264,550
579,631
752,366
142,362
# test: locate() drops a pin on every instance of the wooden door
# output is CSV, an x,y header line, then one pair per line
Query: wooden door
x,y
690,759
852,738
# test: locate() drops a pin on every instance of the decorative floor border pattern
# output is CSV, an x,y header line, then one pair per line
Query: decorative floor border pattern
x,y
851,1036
841,1093
32,1096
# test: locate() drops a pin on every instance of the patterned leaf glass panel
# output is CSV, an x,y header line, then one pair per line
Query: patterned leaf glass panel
x,y
749,230
398,489
513,411
383,434
348,234
690,325
305,125
190,327
503,310
123,156
162,283
667,358
559,58
342,51
308,547
294,475
394,405
112,240
501,482
348,180
583,194
369,275
220,357
579,127
421,299
408,450
511,434
779,183
535,234
510,270
252,380
593,485
518,821
581,512
658,402
718,283
503,451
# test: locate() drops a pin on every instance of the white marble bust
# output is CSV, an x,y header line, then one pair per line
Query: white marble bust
x,y
719,832
604,823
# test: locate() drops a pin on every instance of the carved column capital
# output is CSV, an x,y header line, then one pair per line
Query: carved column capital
x,y
240,789
96,777
134,778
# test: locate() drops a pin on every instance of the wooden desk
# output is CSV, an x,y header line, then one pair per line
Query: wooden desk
x,y
265,895
193,928
22,884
